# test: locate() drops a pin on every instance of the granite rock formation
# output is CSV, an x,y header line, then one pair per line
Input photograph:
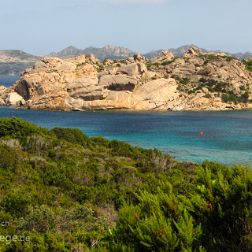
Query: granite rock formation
x,y
195,81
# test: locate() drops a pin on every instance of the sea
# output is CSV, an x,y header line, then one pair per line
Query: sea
x,y
224,136
8,80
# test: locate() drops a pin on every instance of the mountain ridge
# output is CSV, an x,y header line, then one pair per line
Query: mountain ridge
x,y
14,62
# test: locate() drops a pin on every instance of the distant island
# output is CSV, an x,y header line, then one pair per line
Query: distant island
x,y
197,80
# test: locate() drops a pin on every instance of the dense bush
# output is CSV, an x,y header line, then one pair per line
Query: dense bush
x,y
212,57
230,96
248,64
71,135
18,128
68,192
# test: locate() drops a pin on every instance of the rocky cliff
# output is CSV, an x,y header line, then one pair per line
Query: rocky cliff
x,y
195,81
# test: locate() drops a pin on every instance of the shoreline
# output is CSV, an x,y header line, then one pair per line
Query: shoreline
x,y
126,110
225,139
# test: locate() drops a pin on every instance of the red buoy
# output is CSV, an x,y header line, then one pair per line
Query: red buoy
x,y
201,133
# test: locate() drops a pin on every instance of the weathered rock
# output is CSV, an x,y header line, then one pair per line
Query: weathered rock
x,y
156,94
139,58
196,81
133,70
107,62
14,99
194,51
165,55
2,102
92,59
2,89
118,82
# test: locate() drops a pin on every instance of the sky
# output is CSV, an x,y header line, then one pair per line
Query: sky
x,y
43,26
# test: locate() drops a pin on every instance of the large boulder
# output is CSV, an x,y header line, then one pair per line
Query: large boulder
x,y
164,56
2,102
133,70
3,94
2,89
118,82
156,94
14,99
139,58
192,52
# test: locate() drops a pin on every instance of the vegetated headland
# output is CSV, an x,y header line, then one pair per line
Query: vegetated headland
x,y
69,192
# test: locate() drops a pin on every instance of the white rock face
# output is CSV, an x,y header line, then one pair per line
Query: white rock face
x,y
156,94
2,102
14,99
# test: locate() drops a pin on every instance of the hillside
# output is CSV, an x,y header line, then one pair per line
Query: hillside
x,y
116,52
13,62
196,81
108,51
63,191
178,52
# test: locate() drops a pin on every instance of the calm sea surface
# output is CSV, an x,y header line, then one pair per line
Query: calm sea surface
x,y
8,80
227,135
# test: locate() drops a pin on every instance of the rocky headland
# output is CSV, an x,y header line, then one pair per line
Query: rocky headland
x,y
196,81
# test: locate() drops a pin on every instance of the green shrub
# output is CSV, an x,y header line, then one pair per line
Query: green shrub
x,y
248,64
68,192
71,135
15,127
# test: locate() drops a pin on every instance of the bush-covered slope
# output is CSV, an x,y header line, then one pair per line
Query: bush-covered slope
x,y
67,192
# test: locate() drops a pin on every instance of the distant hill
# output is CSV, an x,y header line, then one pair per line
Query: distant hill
x,y
115,52
178,52
108,51
13,62
69,51
243,55
17,55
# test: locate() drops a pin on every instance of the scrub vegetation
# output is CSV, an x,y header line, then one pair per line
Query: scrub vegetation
x,y
68,192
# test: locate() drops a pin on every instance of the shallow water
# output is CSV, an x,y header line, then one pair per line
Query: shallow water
x,y
227,136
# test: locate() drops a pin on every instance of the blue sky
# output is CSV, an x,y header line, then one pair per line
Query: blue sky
x,y
40,27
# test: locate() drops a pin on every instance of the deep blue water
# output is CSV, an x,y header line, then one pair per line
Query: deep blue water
x,y
227,135
8,80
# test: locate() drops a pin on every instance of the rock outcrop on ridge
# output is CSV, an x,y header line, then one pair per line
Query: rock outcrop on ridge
x,y
196,81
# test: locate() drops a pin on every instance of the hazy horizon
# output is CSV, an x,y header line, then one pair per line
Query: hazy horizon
x,y
141,52
141,25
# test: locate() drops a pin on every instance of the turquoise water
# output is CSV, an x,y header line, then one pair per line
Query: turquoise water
x,y
227,135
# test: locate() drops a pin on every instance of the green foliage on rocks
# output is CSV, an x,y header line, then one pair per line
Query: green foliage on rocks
x,y
151,65
222,89
248,64
213,57
68,192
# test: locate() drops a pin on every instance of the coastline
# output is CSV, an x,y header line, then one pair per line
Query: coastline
x,y
126,110
227,137
196,81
